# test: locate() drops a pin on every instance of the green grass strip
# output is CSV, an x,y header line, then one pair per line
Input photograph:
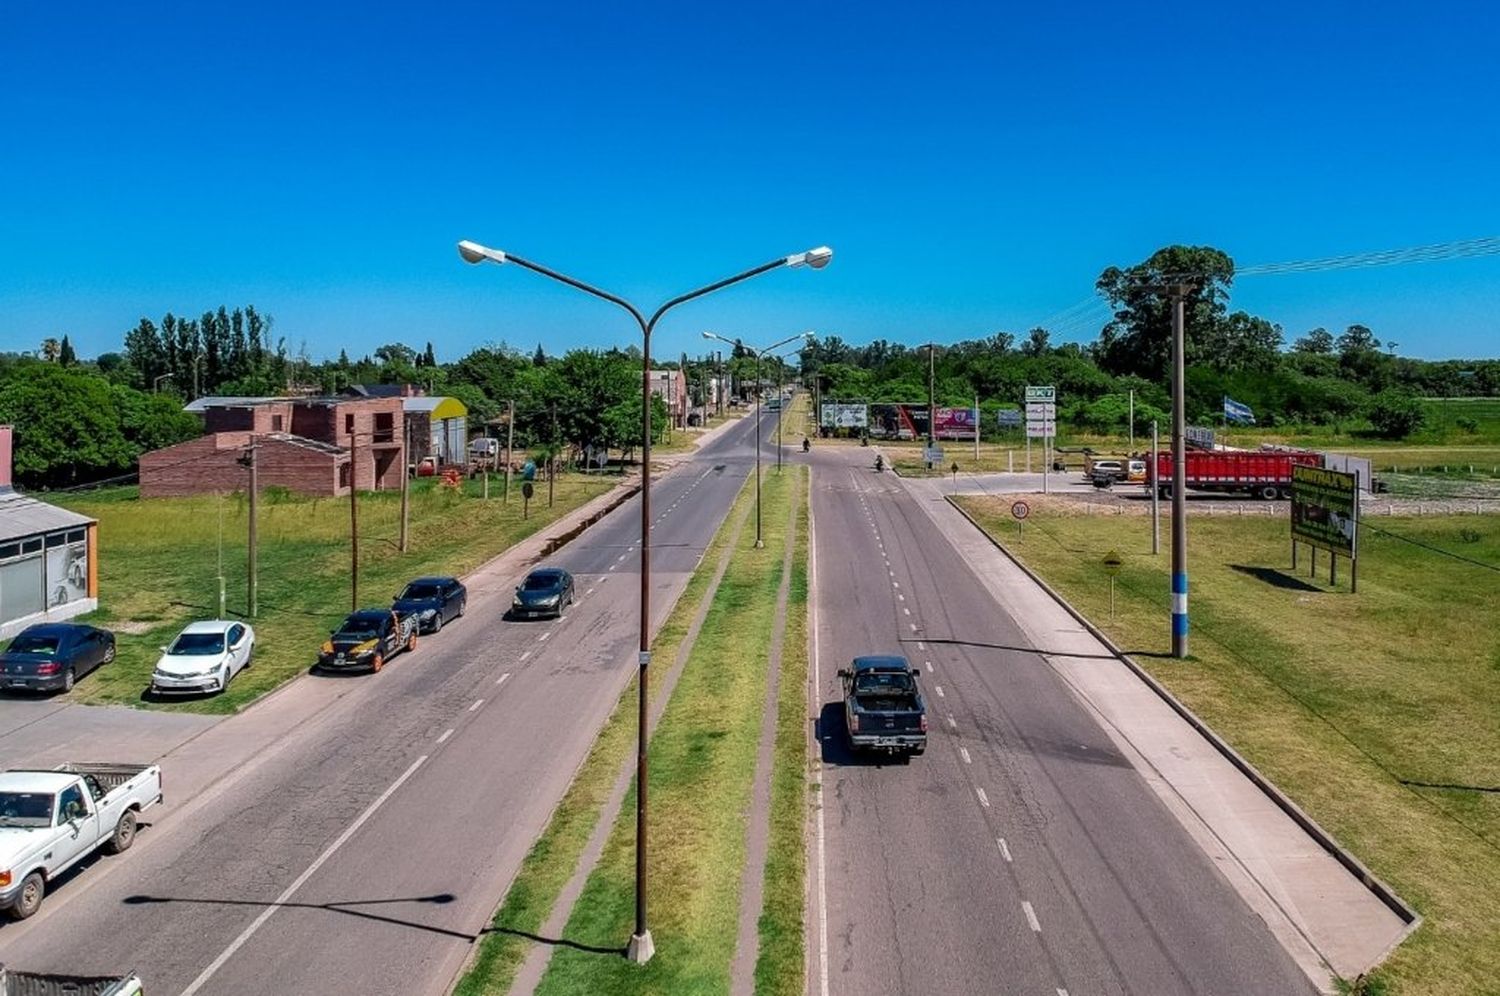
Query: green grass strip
x,y
702,765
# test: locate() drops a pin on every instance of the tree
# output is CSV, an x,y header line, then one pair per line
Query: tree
x,y
1239,342
1036,343
152,421
1357,339
1396,414
67,427
429,359
539,358
51,348
1318,342
1138,340
65,355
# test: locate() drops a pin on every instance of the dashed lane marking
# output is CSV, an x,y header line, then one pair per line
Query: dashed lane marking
x,y
1031,916
502,679
939,690
984,800
1004,848
446,734
476,705
527,654
953,723
963,752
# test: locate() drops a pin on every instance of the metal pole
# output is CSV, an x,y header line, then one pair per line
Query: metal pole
x,y
405,482
222,607
931,397
1179,475
780,415
758,409
353,534
254,599
1132,421
510,439
976,433
552,471
641,947
1155,478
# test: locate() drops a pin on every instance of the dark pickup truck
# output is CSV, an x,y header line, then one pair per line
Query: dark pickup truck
x,y
883,708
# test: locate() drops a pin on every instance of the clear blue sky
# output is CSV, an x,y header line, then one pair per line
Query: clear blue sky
x,y
974,168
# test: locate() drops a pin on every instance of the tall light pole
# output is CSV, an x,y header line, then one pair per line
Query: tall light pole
x,y
1179,474
759,354
641,947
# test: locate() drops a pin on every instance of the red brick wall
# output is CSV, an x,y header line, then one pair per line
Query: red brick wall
x,y
210,464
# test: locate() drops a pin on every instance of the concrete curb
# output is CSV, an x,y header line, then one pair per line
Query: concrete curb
x,y
1378,888
554,543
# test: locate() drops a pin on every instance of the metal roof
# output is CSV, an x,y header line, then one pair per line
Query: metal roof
x,y
21,515
441,407
228,401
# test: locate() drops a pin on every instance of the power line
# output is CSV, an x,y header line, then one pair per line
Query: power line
x,y
1365,524
1462,249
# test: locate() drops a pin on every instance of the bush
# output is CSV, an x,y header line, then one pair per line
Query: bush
x,y
1396,414
1467,424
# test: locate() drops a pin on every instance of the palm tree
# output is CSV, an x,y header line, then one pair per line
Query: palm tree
x,y
51,349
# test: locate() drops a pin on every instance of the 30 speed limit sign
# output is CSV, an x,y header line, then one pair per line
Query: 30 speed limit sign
x,y
1020,510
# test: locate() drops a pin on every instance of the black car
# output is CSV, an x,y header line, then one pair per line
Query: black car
x,y
545,592
51,656
434,601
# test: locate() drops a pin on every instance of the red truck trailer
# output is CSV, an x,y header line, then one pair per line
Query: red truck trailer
x,y
1263,473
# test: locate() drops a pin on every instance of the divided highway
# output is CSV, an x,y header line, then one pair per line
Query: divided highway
x,y
365,851
1022,853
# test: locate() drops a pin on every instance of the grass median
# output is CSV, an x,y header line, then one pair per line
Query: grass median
x,y
159,563
702,765
1374,711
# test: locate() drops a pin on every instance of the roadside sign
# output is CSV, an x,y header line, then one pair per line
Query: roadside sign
x,y
1009,418
933,454
1200,436
1041,410
1041,430
1113,562
1020,509
1041,393
527,490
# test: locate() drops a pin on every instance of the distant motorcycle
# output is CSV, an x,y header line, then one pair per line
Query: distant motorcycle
x,y
806,444
879,463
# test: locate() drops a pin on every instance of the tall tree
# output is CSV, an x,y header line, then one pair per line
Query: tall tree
x,y
1318,342
539,358
65,355
429,358
50,349
1138,339
1036,343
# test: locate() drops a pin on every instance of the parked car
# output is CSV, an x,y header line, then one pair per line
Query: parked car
x,y
51,820
545,592
51,656
13,983
203,658
434,602
883,707
366,639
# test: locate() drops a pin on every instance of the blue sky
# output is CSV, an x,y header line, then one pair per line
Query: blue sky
x,y
974,167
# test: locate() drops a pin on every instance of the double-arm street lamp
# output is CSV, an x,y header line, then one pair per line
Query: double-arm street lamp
x,y
759,355
641,948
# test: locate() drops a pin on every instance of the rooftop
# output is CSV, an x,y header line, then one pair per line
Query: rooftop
x,y
21,515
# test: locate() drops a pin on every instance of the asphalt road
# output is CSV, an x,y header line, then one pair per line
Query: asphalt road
x,y
367,850
1022,853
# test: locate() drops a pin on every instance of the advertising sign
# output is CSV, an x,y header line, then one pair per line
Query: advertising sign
x,y
932,454
1197,435
1325,509
955,423
1041,430
1041,393
1044,410
1009,418
843,415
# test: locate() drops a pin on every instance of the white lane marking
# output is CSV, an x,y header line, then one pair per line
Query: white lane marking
x,y
445,736
300,880
907,611
913,627
963,752
896,583
920,646
543,639
930,666
612,567
590,592
1004,848
523,660
501,680
1061,991
939,690
900,596
1031,916
476,705
952,722
984,800
622,560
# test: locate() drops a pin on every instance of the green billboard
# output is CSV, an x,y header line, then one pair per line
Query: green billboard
x,y
1325,509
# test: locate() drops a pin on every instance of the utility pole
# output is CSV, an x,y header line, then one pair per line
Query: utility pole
x,y
931,398
780,413
720,392
760,406
510,439
353,532
1132,422
552,472
1155,478
1179,475
976,433
405,482
248,461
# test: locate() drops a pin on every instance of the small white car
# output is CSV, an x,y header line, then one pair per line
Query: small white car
x,y
203,658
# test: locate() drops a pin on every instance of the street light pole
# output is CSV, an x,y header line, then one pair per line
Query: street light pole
x,y
641,947
759,354
1179,475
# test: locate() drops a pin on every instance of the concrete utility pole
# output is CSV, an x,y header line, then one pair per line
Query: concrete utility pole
x,y
1132,421
931,398
252,600
719,394
976,433
405,482
510,439
780,413
552,470
1179,473
353,532
1155,479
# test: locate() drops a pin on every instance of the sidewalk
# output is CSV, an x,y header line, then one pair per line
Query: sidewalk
x,y
1327,919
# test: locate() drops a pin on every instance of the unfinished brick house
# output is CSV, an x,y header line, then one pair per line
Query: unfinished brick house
x,y
307,445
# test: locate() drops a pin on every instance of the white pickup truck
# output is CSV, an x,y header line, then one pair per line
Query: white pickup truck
x,y
51,820
32,984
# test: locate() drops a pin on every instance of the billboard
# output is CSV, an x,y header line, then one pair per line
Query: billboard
x,y
901,421
1009,418
1325,509
842,415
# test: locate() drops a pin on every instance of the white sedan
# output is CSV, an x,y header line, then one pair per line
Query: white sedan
x,y
203,658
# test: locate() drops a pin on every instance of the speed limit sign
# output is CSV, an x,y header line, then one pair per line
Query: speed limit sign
x,y
1020,510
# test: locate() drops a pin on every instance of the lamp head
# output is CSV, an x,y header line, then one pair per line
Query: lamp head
x,y
473,252
815,258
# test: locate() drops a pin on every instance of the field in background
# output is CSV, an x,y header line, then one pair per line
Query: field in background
x,y
159,562
1375,711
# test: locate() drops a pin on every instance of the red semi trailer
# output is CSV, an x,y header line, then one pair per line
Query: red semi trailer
x,y
1261,473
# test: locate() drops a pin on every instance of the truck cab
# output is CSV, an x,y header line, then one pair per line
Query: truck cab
x,y
883,707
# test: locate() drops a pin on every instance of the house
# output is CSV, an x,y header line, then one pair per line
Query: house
x,y
437,427
672,386
48,557
314,446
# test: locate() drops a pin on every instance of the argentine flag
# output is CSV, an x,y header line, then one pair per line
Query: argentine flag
x,y
1236,412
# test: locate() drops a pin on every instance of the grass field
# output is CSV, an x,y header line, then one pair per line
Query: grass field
x,y
702,765
1375,711
159,566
